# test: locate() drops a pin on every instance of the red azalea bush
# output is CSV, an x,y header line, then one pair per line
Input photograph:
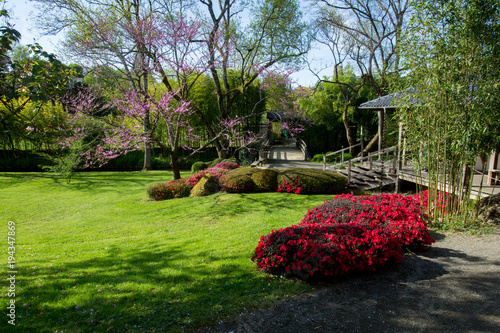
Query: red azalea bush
x,y
195,178
402,215
173,189
317,250
344,235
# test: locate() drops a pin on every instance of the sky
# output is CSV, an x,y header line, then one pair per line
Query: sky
x,y
20,12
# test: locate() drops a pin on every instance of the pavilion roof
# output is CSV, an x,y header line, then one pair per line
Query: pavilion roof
x,y
383,102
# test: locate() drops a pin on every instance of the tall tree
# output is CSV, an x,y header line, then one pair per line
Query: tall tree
x,y
452,56
275,36
366,34
27,80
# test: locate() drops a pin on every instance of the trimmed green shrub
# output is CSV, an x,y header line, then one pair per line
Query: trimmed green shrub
x,y
237,184
173,189
231,159
215,162
238,180
198,166
265,180
301,180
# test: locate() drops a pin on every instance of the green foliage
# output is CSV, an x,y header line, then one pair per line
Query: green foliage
x,y
301,180
215,162
326,106
67,161
451,104
198,166
237,181
337,158
265,180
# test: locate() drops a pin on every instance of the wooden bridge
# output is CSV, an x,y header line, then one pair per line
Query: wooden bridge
x,y
370,171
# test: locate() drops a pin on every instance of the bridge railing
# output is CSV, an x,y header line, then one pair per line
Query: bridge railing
x,y
369,158
301,144
342,151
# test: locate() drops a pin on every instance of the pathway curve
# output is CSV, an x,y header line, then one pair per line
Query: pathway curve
x,y
453,287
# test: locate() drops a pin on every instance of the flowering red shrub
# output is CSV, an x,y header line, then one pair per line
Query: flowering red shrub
x,y
443,201
401,215
290,185
344,235
316,250
172,189
195,178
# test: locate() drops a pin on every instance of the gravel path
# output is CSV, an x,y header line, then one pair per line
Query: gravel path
x,y
453,287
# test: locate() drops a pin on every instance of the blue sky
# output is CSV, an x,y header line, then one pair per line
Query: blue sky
x,y
20,10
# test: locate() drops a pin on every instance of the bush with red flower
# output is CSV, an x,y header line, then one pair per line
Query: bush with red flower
x,y
173,189
345,235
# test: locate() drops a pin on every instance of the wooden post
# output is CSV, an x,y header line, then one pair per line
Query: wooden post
x,y
380,128
342,154
370,159
324,162
349,172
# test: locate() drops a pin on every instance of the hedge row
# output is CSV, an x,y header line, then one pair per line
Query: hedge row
x,y
233,179
295,180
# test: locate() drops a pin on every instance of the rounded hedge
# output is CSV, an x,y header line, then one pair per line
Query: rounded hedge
x,y
237,183
173,189
302,180
198,166
265,180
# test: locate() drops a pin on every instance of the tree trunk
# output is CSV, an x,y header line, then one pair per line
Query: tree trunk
x,y
174,163
370,144
347,129
147,143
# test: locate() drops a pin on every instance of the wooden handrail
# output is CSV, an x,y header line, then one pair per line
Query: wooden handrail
x,y
339,151
369,157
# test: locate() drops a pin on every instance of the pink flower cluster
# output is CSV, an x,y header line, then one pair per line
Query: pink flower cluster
x,y
217,171
345,235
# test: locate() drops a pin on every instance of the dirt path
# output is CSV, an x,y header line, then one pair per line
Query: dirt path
x,y
453,287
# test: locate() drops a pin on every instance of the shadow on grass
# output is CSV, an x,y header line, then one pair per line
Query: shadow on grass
x,y
157,289
425,293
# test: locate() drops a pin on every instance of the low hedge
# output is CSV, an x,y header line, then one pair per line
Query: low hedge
x,y
238,180
265,180
173,189
296,180
302,180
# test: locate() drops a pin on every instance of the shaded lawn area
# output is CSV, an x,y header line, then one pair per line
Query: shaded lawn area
x,y
97,255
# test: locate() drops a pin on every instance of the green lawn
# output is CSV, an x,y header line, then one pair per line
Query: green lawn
x,y
97,255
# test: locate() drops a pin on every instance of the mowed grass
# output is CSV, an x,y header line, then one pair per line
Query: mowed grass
x,y
97,255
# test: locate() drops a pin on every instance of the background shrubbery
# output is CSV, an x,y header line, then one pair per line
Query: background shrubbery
x,y
332,159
